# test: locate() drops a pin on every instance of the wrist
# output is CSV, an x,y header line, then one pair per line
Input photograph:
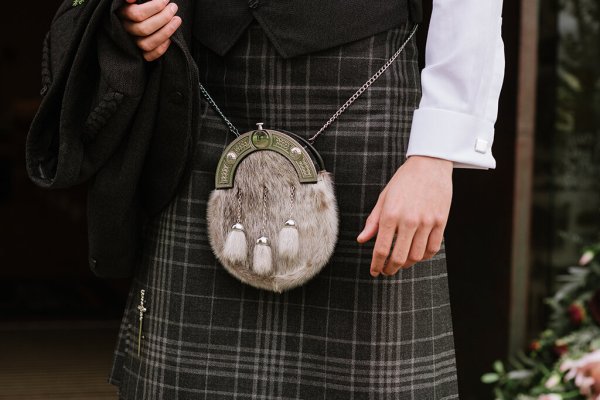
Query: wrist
x,y
441,162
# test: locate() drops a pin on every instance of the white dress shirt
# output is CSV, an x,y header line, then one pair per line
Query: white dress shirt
x,y
461,83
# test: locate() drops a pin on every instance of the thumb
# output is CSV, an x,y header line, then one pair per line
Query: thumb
x,y
372,224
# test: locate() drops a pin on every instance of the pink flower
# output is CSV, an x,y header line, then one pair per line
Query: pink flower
x,y
586,257
550,396
579,369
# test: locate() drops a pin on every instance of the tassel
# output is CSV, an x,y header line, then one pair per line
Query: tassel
x,y
235,249
263,261
287,244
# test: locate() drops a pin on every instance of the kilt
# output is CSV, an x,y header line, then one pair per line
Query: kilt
x,y
342,335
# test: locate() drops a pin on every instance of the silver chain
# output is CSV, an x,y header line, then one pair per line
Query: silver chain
x,y
239,207
339,112
292,195
264,222
214,105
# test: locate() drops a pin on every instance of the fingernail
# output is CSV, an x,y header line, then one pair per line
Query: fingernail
x,y
173,7
166,1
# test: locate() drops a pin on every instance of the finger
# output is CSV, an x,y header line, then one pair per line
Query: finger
x,y
419,248
152,24
151,42
399,254
415,253
372,222
141,12
381,250
157,52
434,244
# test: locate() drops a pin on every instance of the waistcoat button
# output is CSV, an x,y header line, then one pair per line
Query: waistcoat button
x,y
253,3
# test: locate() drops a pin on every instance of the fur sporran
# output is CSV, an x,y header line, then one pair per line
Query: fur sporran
x,y
273,216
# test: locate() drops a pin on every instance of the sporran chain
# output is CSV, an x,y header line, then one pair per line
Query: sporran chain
x,y
339,112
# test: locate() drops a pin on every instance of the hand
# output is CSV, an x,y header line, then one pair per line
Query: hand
x,y
152,24
414,206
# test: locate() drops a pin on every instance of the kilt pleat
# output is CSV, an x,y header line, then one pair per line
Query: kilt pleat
x,y
344,334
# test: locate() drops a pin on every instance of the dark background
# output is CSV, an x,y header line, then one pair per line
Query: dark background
x,y
43,244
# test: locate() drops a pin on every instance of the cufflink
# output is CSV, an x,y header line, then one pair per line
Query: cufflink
x,y
481,145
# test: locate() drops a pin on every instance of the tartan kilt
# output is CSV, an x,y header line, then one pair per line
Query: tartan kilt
x,y
344,334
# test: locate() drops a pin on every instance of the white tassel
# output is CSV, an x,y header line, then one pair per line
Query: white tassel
x,y
262,263
287,244
235,249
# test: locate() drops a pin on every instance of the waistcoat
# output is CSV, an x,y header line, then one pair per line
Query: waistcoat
x,y
298,27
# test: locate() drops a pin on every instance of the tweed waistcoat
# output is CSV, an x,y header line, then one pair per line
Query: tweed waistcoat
x,y
298,27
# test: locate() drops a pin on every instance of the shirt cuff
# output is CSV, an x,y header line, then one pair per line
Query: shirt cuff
x,y
462,138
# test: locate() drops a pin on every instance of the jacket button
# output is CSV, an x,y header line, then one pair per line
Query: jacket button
x,y
43,90
253,3
177,97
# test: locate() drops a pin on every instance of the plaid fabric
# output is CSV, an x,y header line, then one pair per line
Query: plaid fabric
x,y
343,335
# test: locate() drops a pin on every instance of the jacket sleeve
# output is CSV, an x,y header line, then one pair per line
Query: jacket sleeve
x,y
461,82
93,77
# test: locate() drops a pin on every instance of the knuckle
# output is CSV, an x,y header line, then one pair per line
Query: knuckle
x,y
371,218
160,5
428,220
380,252
142,30
397,261
167,18
433,249
439,219
145,45
388,223
161,49
390,271
135,14
388,219
410,221
413,259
